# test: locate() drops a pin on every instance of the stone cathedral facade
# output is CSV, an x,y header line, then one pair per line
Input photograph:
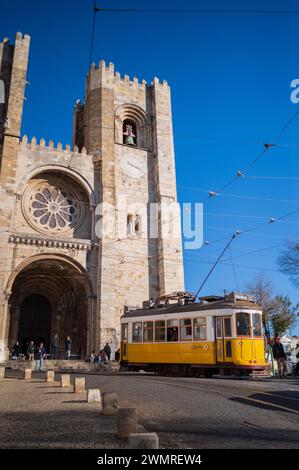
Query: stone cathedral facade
x,y
66,266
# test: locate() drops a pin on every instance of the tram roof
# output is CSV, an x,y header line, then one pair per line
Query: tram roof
x,y
175,308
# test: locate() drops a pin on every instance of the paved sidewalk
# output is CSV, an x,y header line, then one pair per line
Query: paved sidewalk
x,y
34,414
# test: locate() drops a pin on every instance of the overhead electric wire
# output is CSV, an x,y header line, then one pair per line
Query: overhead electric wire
x,y
215,264
199,10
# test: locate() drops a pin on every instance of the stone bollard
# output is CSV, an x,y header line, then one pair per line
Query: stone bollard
x,y
94,395
110,404
65,380
144,441
50,376
2,373
126,422
79,385
27,374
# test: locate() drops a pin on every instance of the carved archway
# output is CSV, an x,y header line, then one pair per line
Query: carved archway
x,y
67,288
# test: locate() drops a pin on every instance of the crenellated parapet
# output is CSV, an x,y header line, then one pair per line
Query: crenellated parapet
x,y
105,74
42,147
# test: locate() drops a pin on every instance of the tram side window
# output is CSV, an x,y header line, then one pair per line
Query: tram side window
x,y
137,332
186,329
172,330
160,331
243,324
148,332
257,324
199,329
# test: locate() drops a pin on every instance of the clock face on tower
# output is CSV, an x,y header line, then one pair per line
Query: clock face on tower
x,y
133,165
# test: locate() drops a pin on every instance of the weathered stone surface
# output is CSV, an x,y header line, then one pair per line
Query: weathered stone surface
x,y
126,422
99,168
65,380
27,374
110,403
2,373
144,441
50,376
79,385
94,395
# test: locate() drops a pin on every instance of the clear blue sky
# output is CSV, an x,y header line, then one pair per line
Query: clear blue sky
x,y
230,76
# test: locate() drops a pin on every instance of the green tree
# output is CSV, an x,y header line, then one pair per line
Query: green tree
x,y
279,316
283,315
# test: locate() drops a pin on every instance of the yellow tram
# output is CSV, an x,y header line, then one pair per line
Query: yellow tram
x,y
218,335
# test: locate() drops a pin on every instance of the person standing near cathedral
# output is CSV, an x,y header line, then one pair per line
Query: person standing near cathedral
x,y
40,354
30,351
107,350
54,347
68,347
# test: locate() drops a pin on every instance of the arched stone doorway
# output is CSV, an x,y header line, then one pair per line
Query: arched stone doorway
x,y
51,295
35,321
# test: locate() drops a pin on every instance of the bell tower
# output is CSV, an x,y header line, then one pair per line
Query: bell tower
x,y
13,70
127,126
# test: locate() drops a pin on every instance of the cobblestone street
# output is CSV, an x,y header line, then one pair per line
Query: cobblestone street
x,y
35,414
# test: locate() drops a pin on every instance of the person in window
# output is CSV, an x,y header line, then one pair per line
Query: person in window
x,y
280,356
172,334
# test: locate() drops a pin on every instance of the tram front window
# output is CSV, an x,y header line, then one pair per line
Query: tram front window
x,y
257,324
243,324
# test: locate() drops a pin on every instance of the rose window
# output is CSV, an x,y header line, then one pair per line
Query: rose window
x,y
54,209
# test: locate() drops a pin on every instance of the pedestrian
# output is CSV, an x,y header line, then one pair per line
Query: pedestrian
x,y
117,355
68,347
16,350
280,356
107,350
40,354
54,347
92,357
30,351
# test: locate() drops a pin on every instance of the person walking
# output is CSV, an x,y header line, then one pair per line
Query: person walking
x,y
68,347
54,347
30,351
40,354
117,355
107,350
280,356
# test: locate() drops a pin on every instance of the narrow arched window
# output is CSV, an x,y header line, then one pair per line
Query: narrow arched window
x,y
129,132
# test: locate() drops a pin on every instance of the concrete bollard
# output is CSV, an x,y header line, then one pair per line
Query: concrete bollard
x,y
126,422
94,395
27,374
65,380
2,372
50,376
110,404
79,385
144,441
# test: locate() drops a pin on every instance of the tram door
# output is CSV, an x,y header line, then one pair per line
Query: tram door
x,y
124,342
223,327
